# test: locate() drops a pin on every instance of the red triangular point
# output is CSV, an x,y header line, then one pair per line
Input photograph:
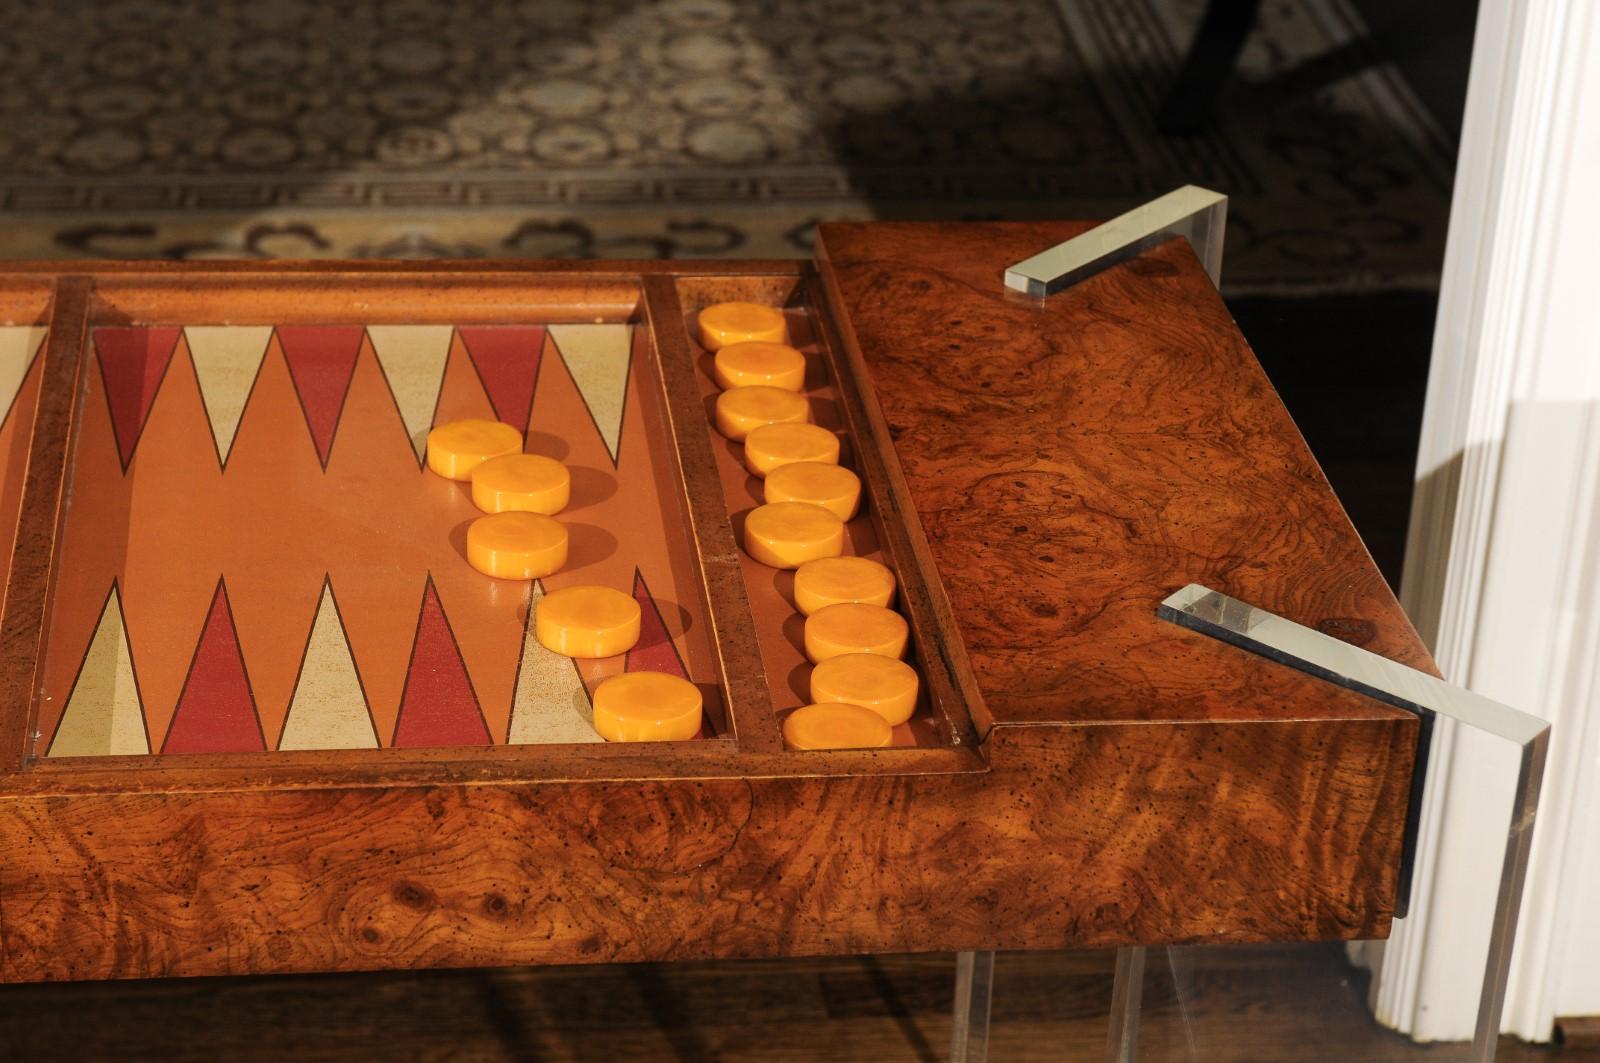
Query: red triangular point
x,y
438,707
654,652
216,712
321,360
133,361
507,360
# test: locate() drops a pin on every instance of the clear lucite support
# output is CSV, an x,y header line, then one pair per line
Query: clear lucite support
x,y
1197,214
1258,631
1200,216
1127,991
969,1034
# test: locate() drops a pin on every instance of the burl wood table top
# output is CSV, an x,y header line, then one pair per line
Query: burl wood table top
x,y
1074,460
1040,475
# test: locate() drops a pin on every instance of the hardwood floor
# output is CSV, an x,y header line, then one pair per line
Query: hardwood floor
x,y
1248,1004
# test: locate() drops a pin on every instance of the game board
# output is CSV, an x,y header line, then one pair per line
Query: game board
x,y
258,714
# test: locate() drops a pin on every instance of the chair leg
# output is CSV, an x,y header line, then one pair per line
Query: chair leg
x,y
1207,65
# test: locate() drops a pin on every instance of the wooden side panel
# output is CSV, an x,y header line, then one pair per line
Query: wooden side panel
x,y
1079,837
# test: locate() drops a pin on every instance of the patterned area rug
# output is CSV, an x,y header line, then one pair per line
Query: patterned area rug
x,y
630,128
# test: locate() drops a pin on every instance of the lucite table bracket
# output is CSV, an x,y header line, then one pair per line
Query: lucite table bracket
x,y
1258,631
969,1033
1200,216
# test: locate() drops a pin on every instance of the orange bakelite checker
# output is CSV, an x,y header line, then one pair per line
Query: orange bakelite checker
x,y
770,446
742,410
832,580
587,621
883,684
516,545
530,483
724,324
831,725
751,364
788,534
833,487
456,448
851,627
647,707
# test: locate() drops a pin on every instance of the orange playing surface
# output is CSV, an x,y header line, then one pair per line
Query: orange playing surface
x,y
254,558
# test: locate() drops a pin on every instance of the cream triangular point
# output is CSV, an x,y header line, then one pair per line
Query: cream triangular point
x,y
550,705
18,345
413,358
226,359
328,709
597,356
104,716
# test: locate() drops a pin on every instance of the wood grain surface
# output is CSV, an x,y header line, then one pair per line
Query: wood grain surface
x,y
727,601
1074,465
1081,837
33,555
1076,459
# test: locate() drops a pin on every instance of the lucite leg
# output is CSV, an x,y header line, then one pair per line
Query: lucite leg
x,y
1317,653
969,1033
1127,991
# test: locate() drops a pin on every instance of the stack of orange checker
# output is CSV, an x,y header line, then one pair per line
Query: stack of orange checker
x,y
860,688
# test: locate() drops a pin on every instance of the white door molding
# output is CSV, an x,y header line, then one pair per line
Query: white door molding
x,y
1504,548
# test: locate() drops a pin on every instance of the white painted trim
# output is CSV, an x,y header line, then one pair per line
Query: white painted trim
x,y
1537,635
1510,605
1450,471
1561,942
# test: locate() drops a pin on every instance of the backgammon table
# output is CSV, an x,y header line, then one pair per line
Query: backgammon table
x,y
260,716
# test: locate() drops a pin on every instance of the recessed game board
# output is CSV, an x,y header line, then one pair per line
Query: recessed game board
x,y
253,557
